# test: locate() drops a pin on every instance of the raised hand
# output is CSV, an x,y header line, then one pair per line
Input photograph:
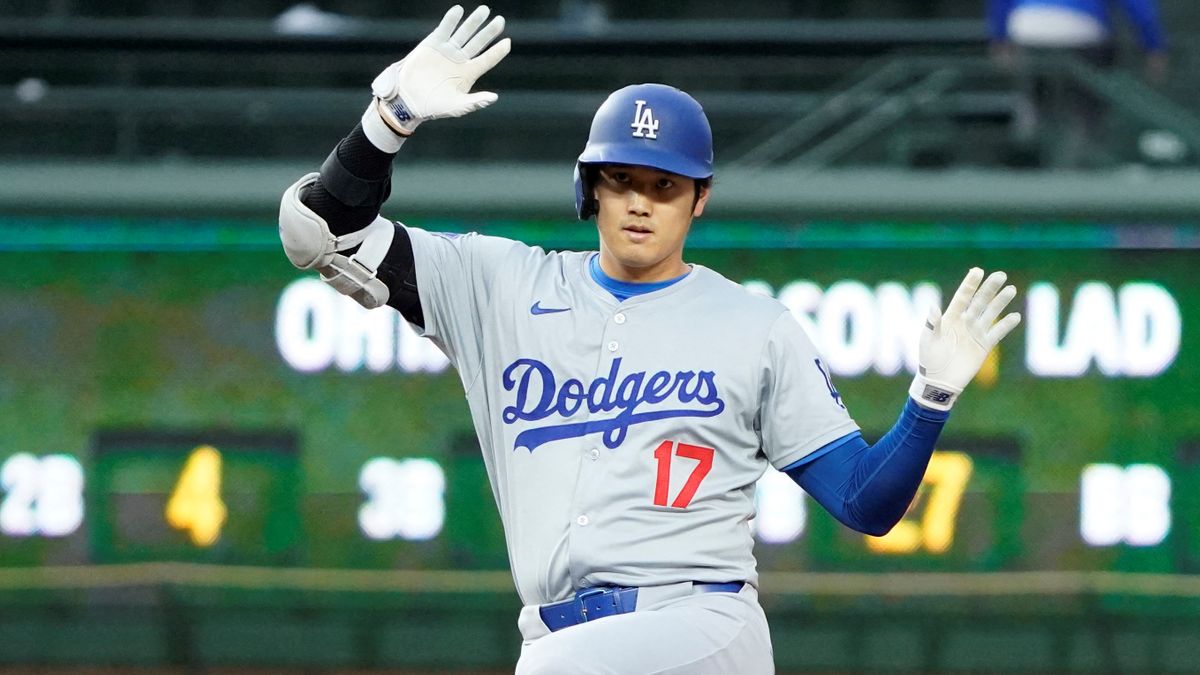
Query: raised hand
x,y
954,345
434,80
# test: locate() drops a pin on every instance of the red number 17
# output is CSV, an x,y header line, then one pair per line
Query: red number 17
x,y
663,454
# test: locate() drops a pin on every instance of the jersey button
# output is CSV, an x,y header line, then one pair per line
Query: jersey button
x,y
612,346
582,520
593,454
619,318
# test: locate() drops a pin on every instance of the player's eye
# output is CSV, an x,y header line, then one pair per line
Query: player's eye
x,y
665,184
620,177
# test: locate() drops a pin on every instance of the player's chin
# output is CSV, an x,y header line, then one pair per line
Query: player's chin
x,y
638,254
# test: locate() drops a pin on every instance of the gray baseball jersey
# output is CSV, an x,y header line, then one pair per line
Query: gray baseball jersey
x,y
623,440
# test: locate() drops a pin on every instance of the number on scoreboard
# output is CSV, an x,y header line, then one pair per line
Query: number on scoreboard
x,y
404,499
204,495
42,496
195,505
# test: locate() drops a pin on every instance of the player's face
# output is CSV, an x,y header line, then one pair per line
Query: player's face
x,y
644,216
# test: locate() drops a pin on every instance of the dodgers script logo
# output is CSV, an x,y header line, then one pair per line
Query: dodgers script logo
x,y
695,393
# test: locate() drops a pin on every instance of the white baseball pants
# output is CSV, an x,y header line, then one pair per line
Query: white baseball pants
x,y
672,631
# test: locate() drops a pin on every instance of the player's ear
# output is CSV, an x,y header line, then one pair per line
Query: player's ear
x,y
702,193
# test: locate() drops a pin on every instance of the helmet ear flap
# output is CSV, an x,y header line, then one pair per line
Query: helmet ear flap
x,y
585,194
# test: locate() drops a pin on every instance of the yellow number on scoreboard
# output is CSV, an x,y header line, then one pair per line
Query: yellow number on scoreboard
x,y
195,505
946,478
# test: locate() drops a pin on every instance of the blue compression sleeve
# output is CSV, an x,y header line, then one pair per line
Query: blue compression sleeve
x,y
869,488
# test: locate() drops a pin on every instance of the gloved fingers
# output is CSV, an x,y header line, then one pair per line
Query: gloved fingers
x,y
966,290
472,102
469,26
933,319
985,294
488,60
1001,329
446,28
484,37
929,336
996,306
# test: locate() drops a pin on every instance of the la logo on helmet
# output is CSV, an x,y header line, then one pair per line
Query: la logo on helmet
x,y
644,125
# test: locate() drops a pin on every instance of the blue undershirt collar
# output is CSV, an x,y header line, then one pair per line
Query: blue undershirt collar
x,y
623,290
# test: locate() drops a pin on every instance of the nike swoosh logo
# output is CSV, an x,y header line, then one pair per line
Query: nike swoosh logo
x,y
537,309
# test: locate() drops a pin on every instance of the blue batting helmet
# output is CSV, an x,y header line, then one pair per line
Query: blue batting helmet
x,y
645,125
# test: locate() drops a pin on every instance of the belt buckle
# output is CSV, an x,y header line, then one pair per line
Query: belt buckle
x,y
583,596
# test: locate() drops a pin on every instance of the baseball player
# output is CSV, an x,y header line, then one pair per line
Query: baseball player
x,y
626,402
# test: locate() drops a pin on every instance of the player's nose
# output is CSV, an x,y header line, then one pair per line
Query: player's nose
x,y
639,204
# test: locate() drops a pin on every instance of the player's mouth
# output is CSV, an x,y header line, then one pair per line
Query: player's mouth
x,y
637,233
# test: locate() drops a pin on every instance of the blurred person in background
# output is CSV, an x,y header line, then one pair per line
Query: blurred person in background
x,y
1084,29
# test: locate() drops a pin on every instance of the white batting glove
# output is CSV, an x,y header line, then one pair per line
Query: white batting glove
x,y
435,79
954,346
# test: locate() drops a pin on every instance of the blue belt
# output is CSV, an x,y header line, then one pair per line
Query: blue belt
x,y
590,604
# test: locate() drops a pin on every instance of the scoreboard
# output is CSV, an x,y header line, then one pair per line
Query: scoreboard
x,y
218,406
205,497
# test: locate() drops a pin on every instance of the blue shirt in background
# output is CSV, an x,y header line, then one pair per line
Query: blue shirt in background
x,y
1142,13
